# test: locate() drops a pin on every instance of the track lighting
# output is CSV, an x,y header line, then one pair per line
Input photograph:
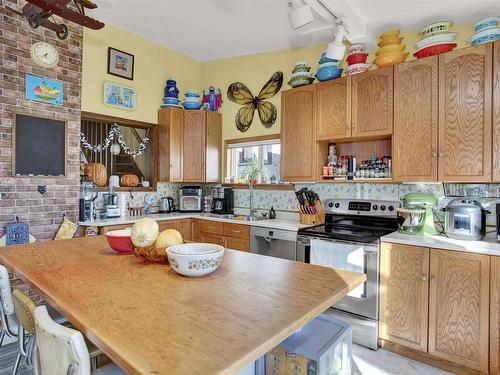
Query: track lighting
x,y
299,13
336,49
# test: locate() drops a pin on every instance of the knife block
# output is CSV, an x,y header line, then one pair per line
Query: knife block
x,y
316,219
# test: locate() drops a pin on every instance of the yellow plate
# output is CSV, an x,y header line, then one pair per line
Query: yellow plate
x,y
390,58
389,33
390,48
390,40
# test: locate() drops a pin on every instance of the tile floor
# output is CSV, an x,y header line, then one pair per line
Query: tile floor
x,y
382,362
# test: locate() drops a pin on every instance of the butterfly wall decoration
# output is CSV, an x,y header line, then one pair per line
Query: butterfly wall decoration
x,y
239,93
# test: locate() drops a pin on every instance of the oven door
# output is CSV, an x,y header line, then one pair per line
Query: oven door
x,y
349,256
190,203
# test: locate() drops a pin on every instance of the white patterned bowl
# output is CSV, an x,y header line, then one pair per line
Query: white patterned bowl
x,y
195,259
435,39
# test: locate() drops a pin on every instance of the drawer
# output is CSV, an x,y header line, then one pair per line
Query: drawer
x,y
213,238
108,228
166,224
211,227
237,230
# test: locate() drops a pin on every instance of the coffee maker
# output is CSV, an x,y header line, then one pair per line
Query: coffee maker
x,y
222,200
88,194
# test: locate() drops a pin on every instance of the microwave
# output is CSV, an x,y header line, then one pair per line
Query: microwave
x,y
190,198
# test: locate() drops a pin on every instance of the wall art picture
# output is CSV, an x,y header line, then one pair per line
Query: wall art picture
x,y
120,63
44,90
119,96
237,92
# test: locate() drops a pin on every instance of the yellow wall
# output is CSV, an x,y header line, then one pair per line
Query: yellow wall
x,y
255,70
153,66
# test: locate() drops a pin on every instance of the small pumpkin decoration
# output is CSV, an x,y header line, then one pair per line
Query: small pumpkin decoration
x,y
97,173
129,180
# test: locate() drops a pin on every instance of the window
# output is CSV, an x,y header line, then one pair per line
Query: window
x,y
263,154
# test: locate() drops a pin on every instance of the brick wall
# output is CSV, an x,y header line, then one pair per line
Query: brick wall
x,y
18,195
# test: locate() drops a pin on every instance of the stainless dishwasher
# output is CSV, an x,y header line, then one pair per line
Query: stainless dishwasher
x,y
273,242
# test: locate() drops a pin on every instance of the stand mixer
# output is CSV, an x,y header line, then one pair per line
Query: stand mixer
x,y
416,216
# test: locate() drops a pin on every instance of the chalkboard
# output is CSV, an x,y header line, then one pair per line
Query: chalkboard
x,y
40,146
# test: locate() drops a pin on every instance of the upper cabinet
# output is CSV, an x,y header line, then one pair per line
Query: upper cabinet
x,y
415,139
333,109
186,141
465,78
169,145
372,103
298,145
496,111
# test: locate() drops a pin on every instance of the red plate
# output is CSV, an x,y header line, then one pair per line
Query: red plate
x,y
357,58
434,49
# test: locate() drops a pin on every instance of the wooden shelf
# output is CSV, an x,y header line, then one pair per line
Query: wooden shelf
x,y
356,180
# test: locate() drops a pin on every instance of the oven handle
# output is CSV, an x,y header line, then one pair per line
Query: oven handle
x,y
366,245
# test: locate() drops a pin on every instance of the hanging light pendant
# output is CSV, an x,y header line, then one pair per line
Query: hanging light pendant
x,y
115,148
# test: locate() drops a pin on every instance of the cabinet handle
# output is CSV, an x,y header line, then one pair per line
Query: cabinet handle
x,y
209,227
424,277
236,231
434,154
441,154
433,279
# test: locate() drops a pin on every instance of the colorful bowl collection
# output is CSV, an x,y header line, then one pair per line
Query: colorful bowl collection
x,y
436,38
327,69
171,97
192,100
301,75
356,59
391,51
487,30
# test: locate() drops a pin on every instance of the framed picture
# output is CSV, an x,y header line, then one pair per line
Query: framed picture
x,y
119,96
44,90
120,63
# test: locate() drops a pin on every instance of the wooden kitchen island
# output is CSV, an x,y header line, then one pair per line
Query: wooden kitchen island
x,y
150,320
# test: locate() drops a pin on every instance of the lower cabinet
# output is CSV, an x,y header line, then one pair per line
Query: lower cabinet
x,y
495,316
404,295
231,236
437,302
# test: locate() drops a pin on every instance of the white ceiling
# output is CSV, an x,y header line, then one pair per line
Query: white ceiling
x,y
213,29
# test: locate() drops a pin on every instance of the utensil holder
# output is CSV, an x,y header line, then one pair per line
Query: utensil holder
x,y
309,219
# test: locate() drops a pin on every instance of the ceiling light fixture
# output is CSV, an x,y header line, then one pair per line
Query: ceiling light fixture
x,y
299,13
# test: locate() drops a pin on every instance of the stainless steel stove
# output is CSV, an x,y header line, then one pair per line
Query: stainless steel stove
x,y
350,240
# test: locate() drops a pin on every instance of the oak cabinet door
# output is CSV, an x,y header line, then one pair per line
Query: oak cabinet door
x,y
196,231
237,243
213,147
213,238
404,295
166,224
465,78
183,226
372,103
333,109
496,111
298,145
194,146
459,308
415,139
169,142
495,316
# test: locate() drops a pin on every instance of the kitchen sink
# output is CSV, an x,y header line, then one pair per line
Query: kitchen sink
x,y
237,217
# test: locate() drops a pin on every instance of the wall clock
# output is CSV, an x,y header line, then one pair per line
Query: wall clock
x,y
44,54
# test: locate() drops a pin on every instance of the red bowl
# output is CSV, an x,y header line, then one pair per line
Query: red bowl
x,y
120,241
434,49
357,58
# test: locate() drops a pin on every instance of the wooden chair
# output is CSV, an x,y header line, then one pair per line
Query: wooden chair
x,y
62,350
26,333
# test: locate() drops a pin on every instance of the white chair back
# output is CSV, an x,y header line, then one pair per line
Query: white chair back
x,y
6,292
61,350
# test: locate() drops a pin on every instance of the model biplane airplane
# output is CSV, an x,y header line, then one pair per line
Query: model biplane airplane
x,y
38,12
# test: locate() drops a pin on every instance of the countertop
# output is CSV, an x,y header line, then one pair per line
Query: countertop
x,y
489,246
150,320
291,225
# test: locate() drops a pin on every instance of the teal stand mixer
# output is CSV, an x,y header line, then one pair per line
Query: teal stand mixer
x,y
416,216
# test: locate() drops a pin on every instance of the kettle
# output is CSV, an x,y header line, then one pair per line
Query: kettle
x,y
166,205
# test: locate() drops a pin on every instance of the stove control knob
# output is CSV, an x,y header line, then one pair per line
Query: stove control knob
x,y
390,208
337,205
330,204
374,207
382,208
